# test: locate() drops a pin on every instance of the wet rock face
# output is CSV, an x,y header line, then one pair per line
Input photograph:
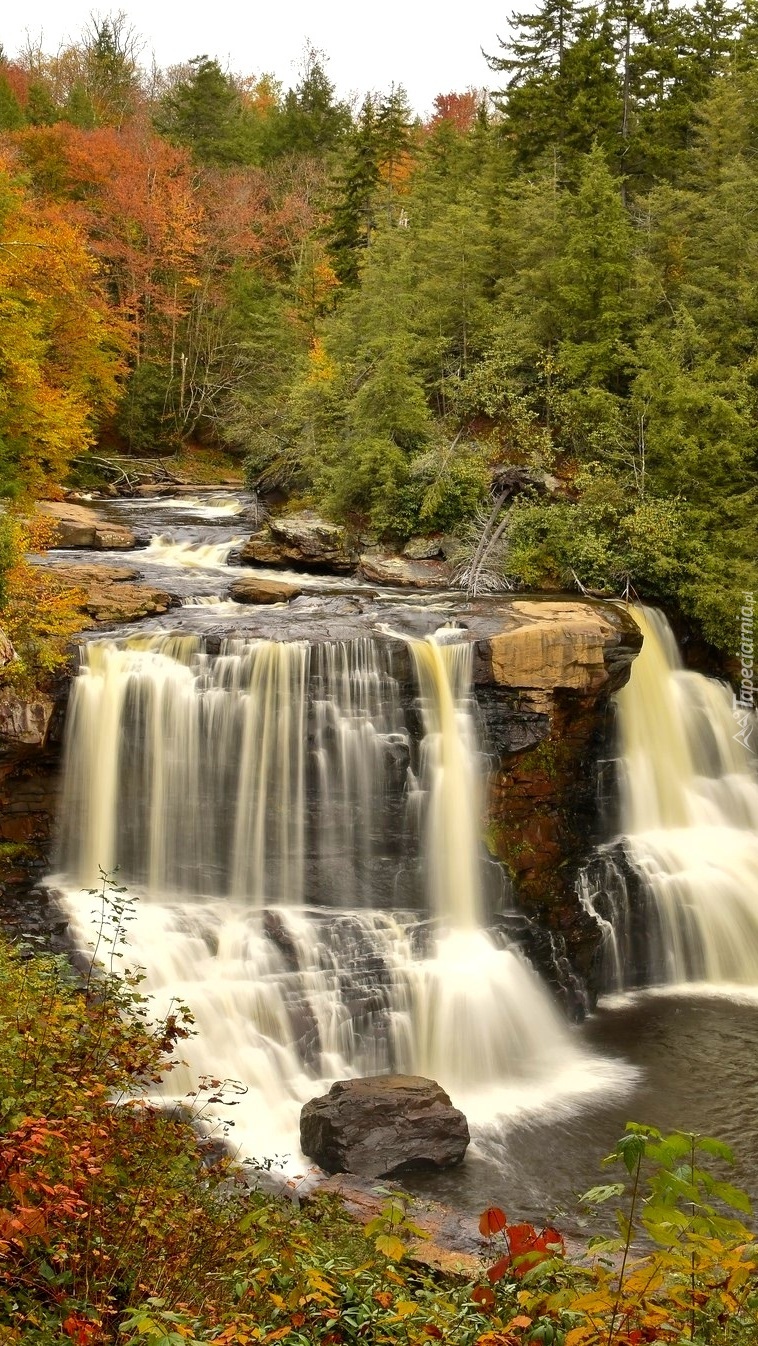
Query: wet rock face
x,y
30,747
542,822
7,652
24,720
77,526
546,723
383,1124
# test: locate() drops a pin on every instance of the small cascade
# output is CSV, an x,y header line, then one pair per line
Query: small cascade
x,y
168,551
689,817
206,507
306,870
214,601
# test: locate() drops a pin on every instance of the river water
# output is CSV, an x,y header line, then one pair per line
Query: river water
x,y
241,788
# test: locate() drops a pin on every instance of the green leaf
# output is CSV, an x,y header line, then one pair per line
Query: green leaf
x,y
717,1148
732,1196
630,1150
606,1192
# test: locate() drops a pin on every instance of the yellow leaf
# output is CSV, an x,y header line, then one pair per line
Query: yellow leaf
x,y
392,1247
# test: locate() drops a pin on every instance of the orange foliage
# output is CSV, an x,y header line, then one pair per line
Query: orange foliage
x,y
60,346
136,198
17,80
457,109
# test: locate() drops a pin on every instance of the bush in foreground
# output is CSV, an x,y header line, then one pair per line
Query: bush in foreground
x,y
119,1224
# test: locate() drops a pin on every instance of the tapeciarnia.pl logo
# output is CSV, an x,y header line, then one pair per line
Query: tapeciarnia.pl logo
x,y
744,700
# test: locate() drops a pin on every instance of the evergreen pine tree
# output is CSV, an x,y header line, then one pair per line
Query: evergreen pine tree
x,y
312,120
595,280
204,113
534,99
79,109
41,109
353,213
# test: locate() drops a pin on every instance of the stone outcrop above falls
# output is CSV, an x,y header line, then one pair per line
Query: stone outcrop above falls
x,y
545,709
302,539
383,1124
113,594
77,526
552,646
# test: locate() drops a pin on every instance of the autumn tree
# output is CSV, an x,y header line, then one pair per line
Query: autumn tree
x,y
60,348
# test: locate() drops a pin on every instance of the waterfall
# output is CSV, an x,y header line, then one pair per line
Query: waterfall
x,y
307,873
166,550
689,817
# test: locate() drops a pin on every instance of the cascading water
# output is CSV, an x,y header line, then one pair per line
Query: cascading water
x,y
689,814
308,876
169,551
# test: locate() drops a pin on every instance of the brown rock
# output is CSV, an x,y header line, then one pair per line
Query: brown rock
x,y
560,645
381,567
423,548
113,537
302,539
25,720
252,589
110,594
263,551
78,526
383,1124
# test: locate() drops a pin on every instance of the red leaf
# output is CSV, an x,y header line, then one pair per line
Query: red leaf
x,y
492,1221
496,1272
553,1241
80,1330
484,1297
432,1330
522,1238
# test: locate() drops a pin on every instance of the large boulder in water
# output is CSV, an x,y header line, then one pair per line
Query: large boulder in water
x,y
251,589
301,539
383,567
383,1124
